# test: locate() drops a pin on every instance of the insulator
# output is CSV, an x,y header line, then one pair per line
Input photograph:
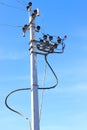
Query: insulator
x,y
50,38
55,45
44,37
30,3
41,40
35,11
25,25
59,39
28,7
24,28
47,43
65,36
33,15
51,48
38,46
38,28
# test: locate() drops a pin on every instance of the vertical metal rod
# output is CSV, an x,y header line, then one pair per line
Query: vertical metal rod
x,y
34,79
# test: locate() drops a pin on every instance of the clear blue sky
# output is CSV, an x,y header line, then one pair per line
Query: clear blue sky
x,y
65,107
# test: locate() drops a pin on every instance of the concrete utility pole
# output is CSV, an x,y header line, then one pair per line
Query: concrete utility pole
x,y
33,68
34,79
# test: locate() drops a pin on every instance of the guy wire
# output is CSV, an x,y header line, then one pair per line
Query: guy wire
x,y
42,95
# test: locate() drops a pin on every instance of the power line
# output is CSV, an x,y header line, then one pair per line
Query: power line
x,y
11,6
9,25
21,2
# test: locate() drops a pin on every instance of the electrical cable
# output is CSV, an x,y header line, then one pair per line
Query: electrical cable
x,y
51,87
21,2
19,113
6,102
22,89
11,6
9,25
40,88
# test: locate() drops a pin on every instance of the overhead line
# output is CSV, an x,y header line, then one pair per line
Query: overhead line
x,y
11,6
9,25
21,2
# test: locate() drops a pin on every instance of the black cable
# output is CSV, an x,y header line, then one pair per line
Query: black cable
x,y
53,74
6,101
22,89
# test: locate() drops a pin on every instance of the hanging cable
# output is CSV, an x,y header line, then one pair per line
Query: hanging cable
x,y
23,89
19,113
42,88
53,74
6,102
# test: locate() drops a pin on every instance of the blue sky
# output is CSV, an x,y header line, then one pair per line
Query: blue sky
x,y
65,107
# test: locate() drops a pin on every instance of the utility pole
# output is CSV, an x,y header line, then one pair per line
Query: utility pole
x,y
33,68
34,78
